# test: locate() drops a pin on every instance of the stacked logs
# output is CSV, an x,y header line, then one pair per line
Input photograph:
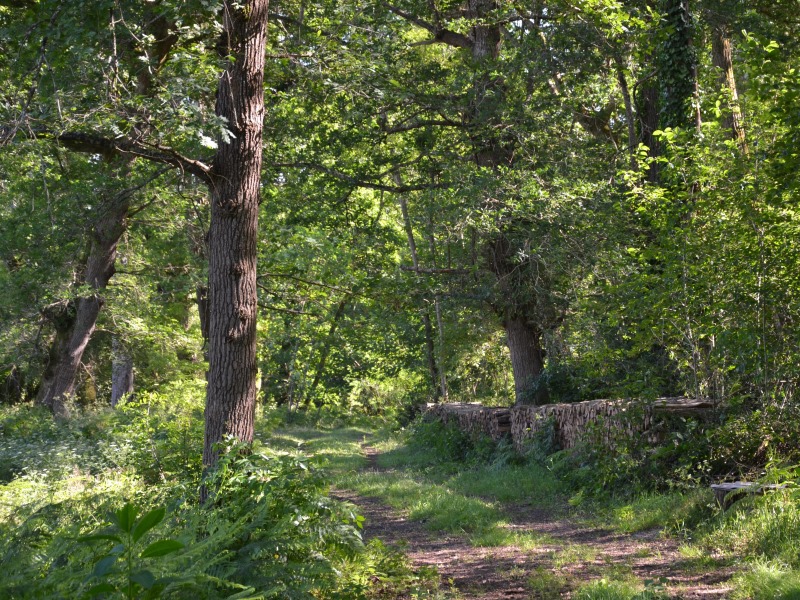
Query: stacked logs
x,y
571,422
474,418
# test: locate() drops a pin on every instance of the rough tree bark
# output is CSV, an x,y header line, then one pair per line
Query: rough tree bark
x,y
722,57
121,372
522,334
527,358
235,179
75,327
68,346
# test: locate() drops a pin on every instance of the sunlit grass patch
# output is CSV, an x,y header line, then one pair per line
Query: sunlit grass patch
x,y
658,510
574,553
547,585
528,483
767,581
628,589
440,508
336,450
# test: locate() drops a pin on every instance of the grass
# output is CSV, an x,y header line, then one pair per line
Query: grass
x,y
460,489
767,581
335,450
650,511
605,589
547,585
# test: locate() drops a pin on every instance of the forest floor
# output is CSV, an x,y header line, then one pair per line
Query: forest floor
x,y
568,553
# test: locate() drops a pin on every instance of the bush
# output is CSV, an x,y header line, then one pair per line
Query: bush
x,y
435,442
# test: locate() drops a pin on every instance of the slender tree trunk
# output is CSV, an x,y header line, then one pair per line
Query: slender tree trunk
x,y
648,125
430,352
121,372
58,384
629,117
440,327
326,350
722,57
233,235
202,311
437,305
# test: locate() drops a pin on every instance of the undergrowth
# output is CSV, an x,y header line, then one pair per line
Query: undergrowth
x,y
106,506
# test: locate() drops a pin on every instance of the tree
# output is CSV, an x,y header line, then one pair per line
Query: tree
x,y
233,179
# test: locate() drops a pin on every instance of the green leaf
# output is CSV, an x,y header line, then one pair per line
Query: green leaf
x,y
144,578
104,566
147,522
99,536
125,517
101,588
161,548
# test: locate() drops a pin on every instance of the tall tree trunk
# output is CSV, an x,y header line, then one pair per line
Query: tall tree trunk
x,y
58,382
722,57
523,338
648,125
326,350
437,305
236,174
121,372
59,378
202,311
430,352
622,80
525,347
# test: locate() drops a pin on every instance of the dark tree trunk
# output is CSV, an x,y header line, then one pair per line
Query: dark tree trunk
x,y
527,359
61,316
232,298
325,351
276,385
121,372
202,311
66,353
722,57
648,125
629,118
430,351
13,387
74,333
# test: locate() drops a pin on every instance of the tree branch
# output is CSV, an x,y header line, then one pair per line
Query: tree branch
x,y
435,271
360,182
440,34
88,143
306,281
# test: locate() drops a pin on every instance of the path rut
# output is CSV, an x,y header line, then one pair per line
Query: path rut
x,y
550,570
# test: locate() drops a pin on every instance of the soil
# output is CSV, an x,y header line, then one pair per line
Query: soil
x,y
550,570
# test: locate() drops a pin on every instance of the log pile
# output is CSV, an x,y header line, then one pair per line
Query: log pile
x,y
474,418
570,421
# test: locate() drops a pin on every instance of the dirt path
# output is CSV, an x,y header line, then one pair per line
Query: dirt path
x,y
575,554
